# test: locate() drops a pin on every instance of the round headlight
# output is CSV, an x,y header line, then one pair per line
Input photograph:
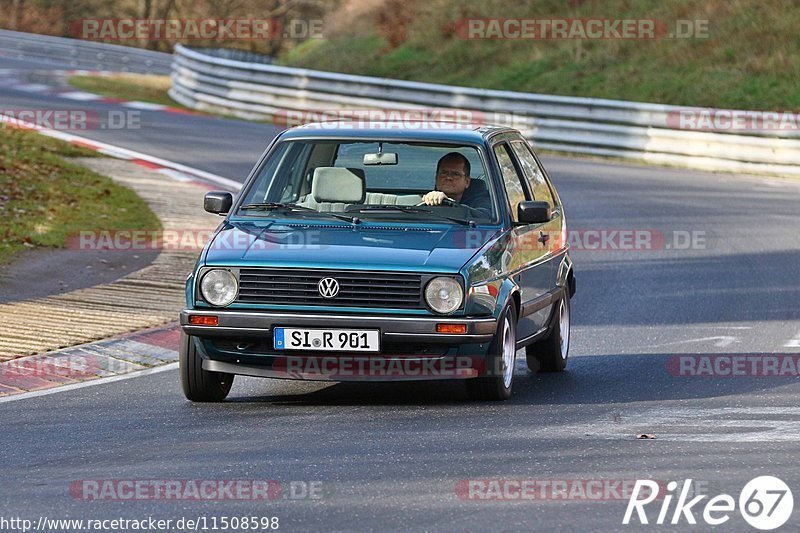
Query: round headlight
x,y
219,287
444,295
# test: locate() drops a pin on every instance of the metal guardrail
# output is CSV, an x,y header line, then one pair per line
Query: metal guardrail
x,y
82,55
207,80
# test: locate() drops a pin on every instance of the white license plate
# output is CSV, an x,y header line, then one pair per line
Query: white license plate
x,y
329,340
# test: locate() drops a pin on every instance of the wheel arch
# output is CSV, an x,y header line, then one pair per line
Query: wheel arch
x,y
509,293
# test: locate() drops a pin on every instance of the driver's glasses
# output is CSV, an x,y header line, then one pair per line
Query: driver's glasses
x,y
450,174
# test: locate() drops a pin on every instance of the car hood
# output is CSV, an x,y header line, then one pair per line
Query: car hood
x,y
431,248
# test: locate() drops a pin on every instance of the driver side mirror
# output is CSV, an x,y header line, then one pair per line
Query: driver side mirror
x,y
218,202
530,212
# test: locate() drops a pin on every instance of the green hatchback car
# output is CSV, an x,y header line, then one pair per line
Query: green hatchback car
x,y
382,253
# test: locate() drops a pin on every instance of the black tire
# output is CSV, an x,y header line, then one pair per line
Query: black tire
x,y
546,355
200,385
493,385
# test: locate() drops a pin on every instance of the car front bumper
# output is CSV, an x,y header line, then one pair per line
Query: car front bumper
x,y
242,324
453,355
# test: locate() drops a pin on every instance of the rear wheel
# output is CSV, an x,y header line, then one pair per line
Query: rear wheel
x,y
200,385
496,384
550,354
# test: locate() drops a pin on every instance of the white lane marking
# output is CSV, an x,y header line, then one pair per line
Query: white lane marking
x,y
124,153
89,383
521,364
794,343
699,424
80,95
720,327
721,341
776,184
147,106
112,153
32,87
175,174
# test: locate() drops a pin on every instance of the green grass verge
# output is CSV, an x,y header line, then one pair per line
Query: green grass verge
x,y
139,87
45,199
749,59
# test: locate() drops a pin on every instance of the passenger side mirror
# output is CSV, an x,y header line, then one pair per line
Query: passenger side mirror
x,y
218,202
533,212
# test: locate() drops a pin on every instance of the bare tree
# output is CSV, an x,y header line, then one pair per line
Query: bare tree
x,y
151,10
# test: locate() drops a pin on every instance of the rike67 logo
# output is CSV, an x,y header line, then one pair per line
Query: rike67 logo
x,y
765,503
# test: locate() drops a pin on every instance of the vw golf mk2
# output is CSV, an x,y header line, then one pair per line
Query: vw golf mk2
x,y
382,253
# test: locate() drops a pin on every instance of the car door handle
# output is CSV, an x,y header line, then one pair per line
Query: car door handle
x,y
543,237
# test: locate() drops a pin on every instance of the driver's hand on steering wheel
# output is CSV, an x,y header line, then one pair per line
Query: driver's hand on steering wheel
x,y
434,198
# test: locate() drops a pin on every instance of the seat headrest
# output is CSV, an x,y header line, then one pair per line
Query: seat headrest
x,y
477,187
478,183
338,184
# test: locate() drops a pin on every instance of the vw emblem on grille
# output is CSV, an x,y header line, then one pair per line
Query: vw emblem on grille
x,y
328,287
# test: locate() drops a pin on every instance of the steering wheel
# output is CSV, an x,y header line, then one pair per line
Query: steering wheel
x,y
451,202
447,201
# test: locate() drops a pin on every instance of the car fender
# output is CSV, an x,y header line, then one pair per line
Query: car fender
x,y
190,289
565,277
507,290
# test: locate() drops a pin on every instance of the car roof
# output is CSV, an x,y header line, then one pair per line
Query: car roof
x,y
428,130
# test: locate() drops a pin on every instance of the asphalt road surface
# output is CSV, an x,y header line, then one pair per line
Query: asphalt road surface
x,y
397,457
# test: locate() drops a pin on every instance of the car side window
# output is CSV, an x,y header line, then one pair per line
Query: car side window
x,y
536,181
511,179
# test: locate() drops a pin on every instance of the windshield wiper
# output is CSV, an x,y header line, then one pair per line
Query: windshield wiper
x,y
274,206
412,209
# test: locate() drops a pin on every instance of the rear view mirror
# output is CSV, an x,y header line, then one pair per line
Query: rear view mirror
x,y
533,212
381,158
218,202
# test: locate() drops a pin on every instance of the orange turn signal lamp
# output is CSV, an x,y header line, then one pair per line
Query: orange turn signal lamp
x,y
451,328
203,320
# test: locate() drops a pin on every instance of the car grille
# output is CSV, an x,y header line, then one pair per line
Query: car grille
x,y
356,288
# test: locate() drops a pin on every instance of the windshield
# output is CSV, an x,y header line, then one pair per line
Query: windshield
x,y
373,180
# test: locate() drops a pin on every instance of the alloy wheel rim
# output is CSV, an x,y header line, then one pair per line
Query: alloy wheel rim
x,y
563,328
509,353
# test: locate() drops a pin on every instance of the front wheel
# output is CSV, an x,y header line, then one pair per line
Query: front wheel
x,y
550,354
200,385
496,384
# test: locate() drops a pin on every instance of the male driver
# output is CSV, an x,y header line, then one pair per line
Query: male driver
x,y
453,181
